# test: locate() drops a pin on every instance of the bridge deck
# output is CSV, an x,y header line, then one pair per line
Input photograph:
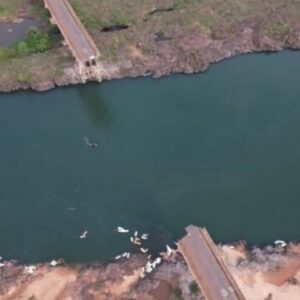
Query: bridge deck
x,y
212,276
76,36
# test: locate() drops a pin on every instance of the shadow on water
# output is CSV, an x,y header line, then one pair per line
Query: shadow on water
x,y
96,106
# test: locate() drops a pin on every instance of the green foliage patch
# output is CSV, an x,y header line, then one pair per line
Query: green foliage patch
x,y
34,42
194,288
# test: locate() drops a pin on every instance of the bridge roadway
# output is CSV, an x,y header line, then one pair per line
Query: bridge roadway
x,y
76,36
207,267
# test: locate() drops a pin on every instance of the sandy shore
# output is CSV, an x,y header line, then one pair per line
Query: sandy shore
x,y
269,273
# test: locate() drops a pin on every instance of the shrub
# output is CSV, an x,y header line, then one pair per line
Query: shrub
x,y
176,294
34,42
22,48
37,41
194,288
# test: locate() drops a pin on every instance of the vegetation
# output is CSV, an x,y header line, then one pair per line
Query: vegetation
x,y
145,32
34,42
194,288
176,294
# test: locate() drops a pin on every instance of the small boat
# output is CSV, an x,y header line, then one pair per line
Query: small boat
x,y
144,250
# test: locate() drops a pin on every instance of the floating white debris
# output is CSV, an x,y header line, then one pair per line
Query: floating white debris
x,y
145,236
144,250
53,263
118,257
280,243
122,230
137,241
30,269
84,235
136,233
126,255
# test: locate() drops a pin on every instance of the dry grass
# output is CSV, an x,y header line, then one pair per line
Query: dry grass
x,y
168,18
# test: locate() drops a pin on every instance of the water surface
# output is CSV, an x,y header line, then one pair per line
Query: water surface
x,y
220,149
11,33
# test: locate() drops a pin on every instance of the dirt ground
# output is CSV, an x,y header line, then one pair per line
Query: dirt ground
x,y
262,274
265,276
154,37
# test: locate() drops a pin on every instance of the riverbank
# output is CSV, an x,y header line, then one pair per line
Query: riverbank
x,y
269,273
160,38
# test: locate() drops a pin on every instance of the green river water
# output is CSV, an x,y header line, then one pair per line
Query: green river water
x,y
219,149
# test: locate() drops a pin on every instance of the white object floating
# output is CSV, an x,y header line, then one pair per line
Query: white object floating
x,y
118,257
144,250
280,243
145,236
126,255
53,263
122,230
84,235
137,241
30,269
136,233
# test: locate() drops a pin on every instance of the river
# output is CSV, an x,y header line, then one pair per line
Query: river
x,y
219,149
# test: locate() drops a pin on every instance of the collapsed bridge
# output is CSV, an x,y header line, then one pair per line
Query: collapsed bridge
x,y
76,38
